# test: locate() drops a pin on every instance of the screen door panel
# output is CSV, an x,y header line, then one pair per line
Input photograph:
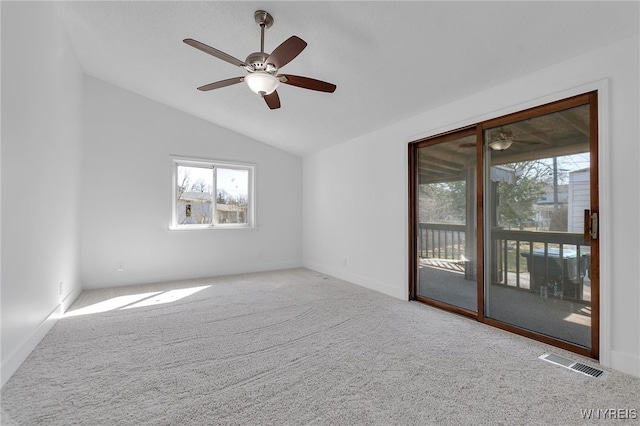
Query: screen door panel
x,y
446,214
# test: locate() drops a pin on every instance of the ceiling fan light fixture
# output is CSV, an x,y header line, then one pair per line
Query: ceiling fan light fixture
x,y
501,144
261,83
501,139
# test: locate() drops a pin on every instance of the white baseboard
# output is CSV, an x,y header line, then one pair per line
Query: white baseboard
x,y
93,283
378,286
15,360
71,297
626,363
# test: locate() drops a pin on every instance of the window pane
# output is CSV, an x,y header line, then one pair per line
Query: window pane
x,y
194,195
233,195
447,268
537,265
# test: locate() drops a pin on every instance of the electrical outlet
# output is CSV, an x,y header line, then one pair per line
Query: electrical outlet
x,y
60,288
120,266
344,262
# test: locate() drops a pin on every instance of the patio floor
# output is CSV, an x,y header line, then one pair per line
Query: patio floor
x,y
569,320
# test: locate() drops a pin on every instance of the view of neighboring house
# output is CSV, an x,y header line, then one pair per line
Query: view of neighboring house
x,y
569,201
578,199
552,201
195,208
231,213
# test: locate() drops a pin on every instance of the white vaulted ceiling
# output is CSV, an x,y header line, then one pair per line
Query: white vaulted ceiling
x,y
389,60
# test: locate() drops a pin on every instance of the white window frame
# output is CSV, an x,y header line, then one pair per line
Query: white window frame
x,y
213,165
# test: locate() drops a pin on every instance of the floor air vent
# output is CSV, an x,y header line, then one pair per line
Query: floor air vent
x,y
572,365
585,369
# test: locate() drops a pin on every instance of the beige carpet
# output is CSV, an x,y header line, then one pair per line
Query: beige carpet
x,y
292,347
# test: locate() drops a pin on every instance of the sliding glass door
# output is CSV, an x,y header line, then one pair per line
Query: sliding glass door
x,y
446,220
504,223
537,188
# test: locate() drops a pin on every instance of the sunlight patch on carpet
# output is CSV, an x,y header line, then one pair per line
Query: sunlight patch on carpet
x,y
136,301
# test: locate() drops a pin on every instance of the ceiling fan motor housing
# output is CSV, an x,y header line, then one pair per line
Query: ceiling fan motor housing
x,y
257,61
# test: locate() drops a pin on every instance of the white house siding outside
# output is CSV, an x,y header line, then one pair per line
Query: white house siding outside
x,y
546,206
200,206
579,199
198,203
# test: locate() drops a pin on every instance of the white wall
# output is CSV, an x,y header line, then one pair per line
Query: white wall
x,y
41,154
126,195
355,194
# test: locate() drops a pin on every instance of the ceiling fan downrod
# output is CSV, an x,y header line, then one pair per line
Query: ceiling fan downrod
x,y
256,60
265,20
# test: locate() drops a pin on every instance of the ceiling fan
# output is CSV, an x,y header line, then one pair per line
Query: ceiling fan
x,y
263,78
501,140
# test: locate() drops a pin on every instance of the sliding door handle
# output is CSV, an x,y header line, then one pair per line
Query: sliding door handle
x,y
590,225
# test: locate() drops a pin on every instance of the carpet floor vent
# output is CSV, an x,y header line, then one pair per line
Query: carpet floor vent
x,y
572,365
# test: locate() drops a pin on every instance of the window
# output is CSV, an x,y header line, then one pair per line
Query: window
x,y
209,194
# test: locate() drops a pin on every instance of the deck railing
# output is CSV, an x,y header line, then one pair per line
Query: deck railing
x,y
441,241
555,261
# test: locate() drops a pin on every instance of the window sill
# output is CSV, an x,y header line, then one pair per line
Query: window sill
x,y
211,227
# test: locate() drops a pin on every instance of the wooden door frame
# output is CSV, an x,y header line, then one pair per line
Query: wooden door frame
x,y
413,230
591,99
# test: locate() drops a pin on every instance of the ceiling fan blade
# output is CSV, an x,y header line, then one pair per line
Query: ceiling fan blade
x,y
288,49
214,52
219,84
272,100
527,142
307,83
